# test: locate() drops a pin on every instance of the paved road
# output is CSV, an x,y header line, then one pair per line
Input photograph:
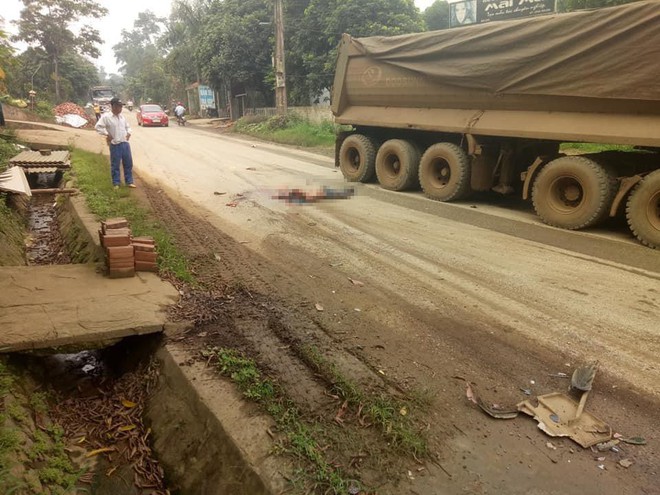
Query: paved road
x,y
486,292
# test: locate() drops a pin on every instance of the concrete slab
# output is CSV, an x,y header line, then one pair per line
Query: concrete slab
x,y
69,306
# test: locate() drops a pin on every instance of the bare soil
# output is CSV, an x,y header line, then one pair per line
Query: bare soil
x,y
267,309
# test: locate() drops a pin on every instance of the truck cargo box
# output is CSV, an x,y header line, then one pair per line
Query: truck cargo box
x,y
583,76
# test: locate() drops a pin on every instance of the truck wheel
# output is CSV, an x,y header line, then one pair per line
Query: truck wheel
x,y
357,158
444,172
397,165
643,210
573,192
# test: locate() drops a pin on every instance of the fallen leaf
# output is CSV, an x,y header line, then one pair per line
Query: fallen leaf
x,y
128,403
82,439
318,307
100,451
469,393
111,470
634,440
356,282
127,428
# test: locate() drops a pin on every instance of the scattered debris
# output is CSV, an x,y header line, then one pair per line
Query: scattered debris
x,y
253,169
582,380
233,204
493,410
634,440
526,391
558,375
556,414
602,447
356,282
217,193
626,463
551,446
318,307
602,467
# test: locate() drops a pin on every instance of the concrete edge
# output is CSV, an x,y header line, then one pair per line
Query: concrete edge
x,y
223,444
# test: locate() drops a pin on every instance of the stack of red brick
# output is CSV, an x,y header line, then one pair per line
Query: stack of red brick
x,y
124,253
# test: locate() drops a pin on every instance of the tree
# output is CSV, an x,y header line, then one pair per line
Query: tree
x,y
437,15
570,5
47,24
142,59
234,48
316,38
6,56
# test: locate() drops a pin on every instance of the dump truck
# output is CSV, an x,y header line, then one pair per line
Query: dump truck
x,y
488,108
101,96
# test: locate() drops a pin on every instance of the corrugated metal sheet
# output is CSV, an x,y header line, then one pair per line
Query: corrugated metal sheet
x,y
40,170
60,159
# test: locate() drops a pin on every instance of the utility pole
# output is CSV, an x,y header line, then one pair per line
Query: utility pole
x,y
280,76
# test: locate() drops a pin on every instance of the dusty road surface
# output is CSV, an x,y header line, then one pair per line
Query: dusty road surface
x,y
448,292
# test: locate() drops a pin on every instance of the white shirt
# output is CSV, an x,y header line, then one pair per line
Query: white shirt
x,y
114,126
179,110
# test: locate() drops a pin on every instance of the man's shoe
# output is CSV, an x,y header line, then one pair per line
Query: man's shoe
x,y
132,186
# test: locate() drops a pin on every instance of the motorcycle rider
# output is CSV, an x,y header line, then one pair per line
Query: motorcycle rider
x,y
179,112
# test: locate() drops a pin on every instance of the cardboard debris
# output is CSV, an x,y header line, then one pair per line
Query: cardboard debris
x,y
556,414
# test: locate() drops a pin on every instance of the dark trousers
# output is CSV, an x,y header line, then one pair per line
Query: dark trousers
x,y
121,153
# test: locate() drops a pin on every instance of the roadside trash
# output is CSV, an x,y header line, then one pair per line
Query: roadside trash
x,y
493,410
298,196
556,415
558,375
626,463
559,415
602,447
318,307
582,380
634,440
601,466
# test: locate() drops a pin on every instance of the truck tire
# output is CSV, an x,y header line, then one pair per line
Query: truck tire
x,y
397,165
643,210
357,158
444,172
573,192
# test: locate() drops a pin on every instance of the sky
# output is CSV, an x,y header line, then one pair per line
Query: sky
x,y
122,14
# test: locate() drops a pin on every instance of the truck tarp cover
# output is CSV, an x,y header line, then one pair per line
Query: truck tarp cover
x,y
607,53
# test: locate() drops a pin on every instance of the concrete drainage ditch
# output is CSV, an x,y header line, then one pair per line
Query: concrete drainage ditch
x,y
198,435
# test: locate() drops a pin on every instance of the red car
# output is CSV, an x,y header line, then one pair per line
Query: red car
x,y
152,115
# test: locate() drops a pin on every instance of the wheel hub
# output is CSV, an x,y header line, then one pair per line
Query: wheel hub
x,y
566,194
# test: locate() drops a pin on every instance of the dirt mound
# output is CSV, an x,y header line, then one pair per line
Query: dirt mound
x,y
68,108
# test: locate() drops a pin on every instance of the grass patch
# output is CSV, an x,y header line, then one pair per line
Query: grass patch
x,y
289,129
300,437
92,175
392,417
594,147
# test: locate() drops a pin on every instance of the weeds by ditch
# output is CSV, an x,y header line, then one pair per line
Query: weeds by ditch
x,y
300,437
92,176
393,418
290,129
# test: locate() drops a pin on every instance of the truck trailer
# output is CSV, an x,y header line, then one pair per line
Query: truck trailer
x,y
487,107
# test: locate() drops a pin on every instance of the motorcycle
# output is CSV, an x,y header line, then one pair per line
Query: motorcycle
x,y
181,120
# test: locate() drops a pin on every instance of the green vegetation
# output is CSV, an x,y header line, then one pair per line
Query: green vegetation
x,y
30,456
7,149
289,129
394,419
593,147
300,437
92,175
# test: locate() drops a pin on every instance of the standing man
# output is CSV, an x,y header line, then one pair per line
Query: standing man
x,y
117,132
